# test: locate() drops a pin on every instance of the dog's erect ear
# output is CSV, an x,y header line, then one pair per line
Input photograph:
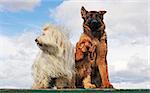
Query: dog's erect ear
x,y
83,12
102,12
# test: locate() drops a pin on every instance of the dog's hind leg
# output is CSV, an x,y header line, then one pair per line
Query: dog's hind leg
x,y
102,63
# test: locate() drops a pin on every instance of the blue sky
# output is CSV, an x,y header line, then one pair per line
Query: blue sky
x,y
126,22
14,22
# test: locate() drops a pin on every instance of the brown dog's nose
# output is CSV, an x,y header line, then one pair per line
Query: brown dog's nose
x,y
94,22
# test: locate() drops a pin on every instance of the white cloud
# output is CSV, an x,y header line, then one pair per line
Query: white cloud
x,y
127,30
18,5
16,58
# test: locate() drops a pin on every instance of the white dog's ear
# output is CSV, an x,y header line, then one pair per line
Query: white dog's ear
x,y
46,27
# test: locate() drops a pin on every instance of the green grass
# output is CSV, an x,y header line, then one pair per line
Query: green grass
x,y
76,91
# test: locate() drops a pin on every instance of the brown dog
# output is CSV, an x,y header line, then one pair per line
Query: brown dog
x,y
85,56
91,52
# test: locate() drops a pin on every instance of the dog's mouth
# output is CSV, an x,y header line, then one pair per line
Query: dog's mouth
x,y
94,24
47,48
95,27
40,45
43,47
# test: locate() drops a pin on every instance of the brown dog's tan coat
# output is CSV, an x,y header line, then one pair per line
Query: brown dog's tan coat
x,y
84,64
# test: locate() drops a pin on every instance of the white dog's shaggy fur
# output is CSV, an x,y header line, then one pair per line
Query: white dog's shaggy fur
x,y
56,58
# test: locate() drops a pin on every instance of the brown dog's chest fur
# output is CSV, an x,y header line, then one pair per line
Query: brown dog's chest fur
x,y
84,65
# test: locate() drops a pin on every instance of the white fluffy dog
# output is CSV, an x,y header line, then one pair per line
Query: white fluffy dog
x,y
54,65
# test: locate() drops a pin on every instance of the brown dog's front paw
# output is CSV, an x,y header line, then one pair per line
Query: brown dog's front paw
x,y
89,85
110,86
107,86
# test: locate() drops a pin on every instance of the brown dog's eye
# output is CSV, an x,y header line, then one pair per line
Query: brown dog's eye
x,y
86,17
96,15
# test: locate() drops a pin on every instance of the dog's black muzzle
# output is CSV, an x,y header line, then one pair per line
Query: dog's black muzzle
x,y
94,24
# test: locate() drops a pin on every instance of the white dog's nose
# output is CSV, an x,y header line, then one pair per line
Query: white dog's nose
x,y
36,40
38,43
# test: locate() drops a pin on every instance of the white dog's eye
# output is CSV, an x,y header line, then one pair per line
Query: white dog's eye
x,y
43,34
